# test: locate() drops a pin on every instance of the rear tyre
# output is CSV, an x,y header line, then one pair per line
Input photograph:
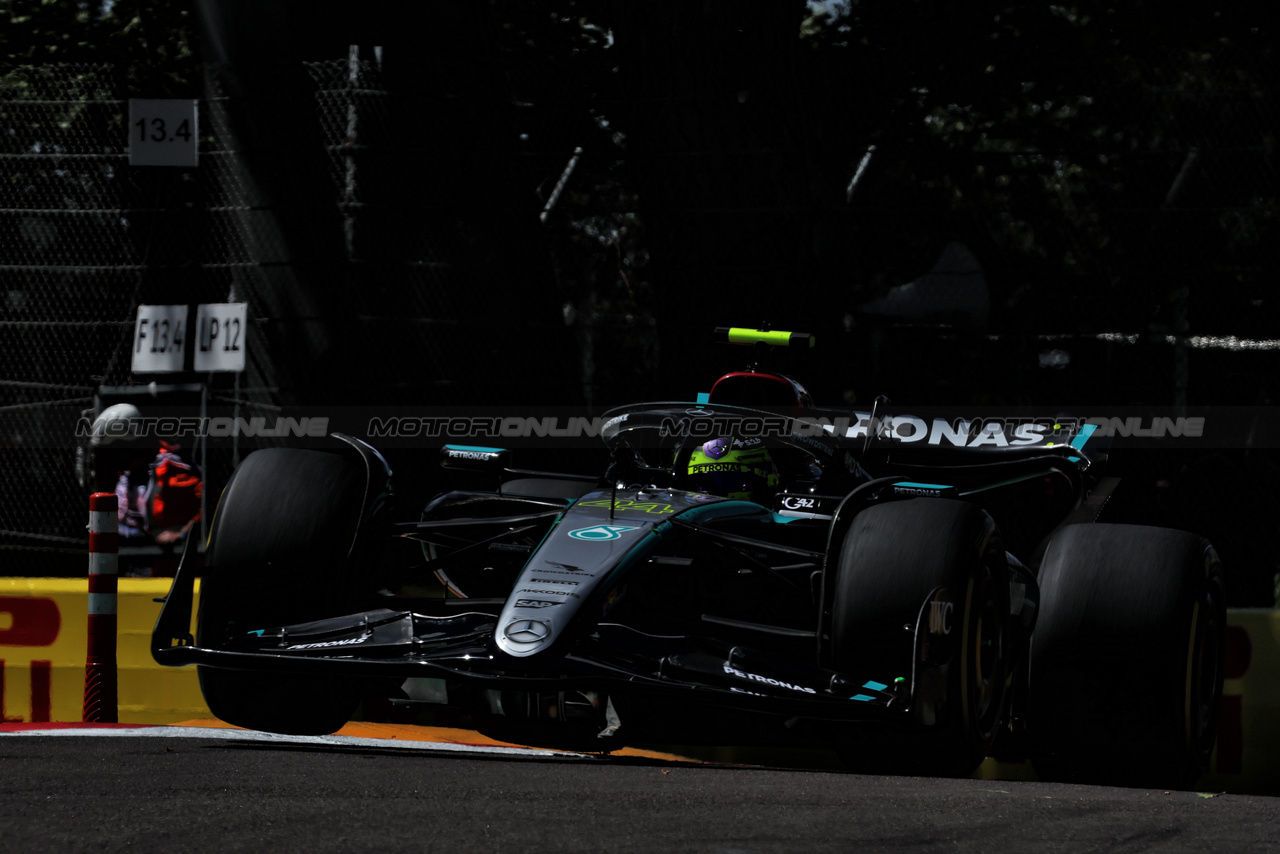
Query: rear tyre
x,y
278,554
895,558
1127,659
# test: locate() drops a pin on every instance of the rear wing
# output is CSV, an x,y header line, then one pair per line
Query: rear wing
x,y
771,337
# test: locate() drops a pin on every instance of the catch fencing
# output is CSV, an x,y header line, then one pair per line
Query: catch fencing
x,y
406,231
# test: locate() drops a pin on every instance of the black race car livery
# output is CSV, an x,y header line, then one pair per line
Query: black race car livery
x,y
747,568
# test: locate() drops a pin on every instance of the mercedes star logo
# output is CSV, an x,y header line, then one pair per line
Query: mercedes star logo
x,y
527,631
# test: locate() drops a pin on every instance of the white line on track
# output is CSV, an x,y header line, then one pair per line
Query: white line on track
x,y
323,740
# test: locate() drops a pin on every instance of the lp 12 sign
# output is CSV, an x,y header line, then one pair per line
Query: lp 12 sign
x,y
221,330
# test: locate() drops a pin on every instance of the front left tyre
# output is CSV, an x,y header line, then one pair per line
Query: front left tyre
x,y
281,552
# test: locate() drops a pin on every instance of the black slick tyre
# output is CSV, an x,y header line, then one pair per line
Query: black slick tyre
x,y
1127,659
278,554
897,559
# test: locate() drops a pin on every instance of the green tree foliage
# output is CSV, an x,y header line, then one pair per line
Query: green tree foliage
x,y
1066,140
1103,162
150,40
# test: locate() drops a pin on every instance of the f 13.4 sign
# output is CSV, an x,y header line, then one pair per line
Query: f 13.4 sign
x,y
160,339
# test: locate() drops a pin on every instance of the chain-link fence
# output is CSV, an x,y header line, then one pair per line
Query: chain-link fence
x,y
86,239
476,223
360,287
1122,208
72,270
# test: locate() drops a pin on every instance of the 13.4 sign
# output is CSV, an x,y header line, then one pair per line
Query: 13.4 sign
x,y
163,132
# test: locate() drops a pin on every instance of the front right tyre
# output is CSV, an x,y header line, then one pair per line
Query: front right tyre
x,y
895,558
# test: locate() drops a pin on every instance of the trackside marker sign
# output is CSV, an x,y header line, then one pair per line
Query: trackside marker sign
x,y
217,342
220,337
160,339
164,132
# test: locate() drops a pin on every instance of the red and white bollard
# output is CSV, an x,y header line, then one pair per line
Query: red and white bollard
x,y
100,664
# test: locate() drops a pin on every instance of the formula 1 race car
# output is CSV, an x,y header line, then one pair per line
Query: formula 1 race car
x,y
749,569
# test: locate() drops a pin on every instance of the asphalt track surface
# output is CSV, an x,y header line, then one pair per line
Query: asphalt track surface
x,y
189,789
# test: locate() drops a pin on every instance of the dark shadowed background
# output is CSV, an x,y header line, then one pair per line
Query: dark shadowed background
x,y
553,203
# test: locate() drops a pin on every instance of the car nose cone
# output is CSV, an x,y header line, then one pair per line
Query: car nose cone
x,y
527,631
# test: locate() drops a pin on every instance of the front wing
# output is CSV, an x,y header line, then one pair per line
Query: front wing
x,y
458,649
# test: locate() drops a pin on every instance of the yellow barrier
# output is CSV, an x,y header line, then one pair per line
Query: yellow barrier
x,y
1247,758
43,643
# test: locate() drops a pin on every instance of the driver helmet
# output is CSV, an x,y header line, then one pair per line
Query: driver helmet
x,y
112,424
734,468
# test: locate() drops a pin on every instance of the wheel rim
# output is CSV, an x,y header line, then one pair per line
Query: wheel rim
x,y
984,661
1204,675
